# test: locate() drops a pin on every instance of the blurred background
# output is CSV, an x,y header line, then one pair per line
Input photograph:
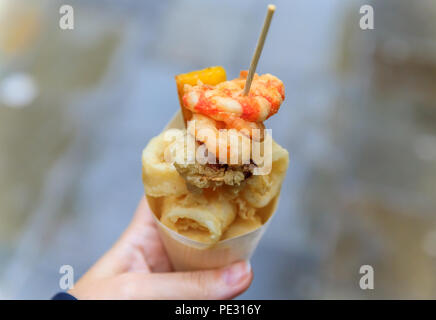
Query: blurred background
x,y
359,120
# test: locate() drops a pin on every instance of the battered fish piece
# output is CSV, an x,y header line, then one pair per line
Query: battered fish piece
x,y
214,175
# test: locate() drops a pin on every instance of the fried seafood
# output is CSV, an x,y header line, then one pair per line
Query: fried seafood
x,y
208,216
214,175
226,102
221,194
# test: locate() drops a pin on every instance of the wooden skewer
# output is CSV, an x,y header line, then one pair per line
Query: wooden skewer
x,y
259,47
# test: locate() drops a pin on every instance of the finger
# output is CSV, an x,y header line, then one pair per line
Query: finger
x,y
138,249
146,240
224,283
143,214
142,234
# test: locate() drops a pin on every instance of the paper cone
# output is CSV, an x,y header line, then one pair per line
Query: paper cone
x,y
187,254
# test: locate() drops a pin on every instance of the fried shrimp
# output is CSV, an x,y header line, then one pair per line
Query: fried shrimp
x,y
207,131
225,102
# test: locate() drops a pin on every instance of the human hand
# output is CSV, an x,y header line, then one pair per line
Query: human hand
x,y
137,267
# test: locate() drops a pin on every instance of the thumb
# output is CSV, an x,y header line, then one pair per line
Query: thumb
x,y
223,283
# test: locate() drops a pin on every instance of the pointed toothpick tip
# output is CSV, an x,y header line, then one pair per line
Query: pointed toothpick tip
x,y
259,47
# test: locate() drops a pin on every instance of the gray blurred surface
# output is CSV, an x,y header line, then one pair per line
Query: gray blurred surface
x,y
360,187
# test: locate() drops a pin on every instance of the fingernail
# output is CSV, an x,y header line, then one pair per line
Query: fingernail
x,y
237,272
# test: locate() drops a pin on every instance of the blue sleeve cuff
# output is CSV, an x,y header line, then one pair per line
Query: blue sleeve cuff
x,y
63,296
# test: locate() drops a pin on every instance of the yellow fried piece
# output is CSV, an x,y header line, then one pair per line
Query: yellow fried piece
x,y
242,226
159,176
261,189
211,76
197,217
